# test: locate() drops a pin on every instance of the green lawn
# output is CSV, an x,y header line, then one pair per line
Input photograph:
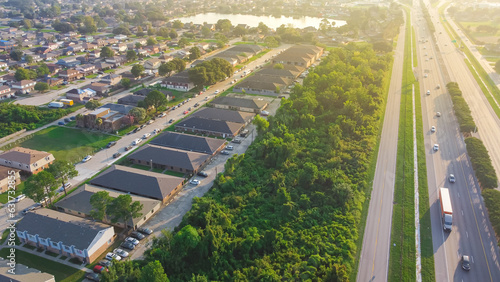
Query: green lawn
x,y
67,143
61,272
126,130
174,173
4,197
110,71
92,76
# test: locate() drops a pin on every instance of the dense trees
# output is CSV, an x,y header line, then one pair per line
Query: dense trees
x,y
155,99
289,208
461,109
107,52
195,53
16,55
116,209
131,55
210,72
137,70
22,74
138,114
41,86
62,170
39,186
481,162
125,82
92,105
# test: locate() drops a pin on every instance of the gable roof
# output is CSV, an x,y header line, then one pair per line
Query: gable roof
x,y
123,109
239,102
204,124
188,142
170,157
47,223
24,155
225,115
137,181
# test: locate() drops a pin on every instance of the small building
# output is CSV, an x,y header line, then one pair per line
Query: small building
x,y
239,104
70,75
69,62
30,161
179,81
189,142
8,174
100,89
218,128
225,115
65,234
131,100
111,120
80,95
140,182
111,79
23,86
86,69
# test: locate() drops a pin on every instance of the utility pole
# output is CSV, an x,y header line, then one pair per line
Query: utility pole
x,y
151,162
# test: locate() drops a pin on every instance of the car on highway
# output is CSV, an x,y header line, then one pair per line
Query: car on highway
x,y
194,181
61,123
111,144
136,141
137,235
438,114
465,263
144,230
111,256
127,245
436,147
428,92
451,178
132,240
223,152
202,174
433,128
116,155
121,253
87,158
146,135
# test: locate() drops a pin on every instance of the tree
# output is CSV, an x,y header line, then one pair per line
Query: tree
x,y
382,46
62,26
151,41
137,70
155,99
28,59
140,32
166,68
183,42
138,113
27,23
264,29
41,86
107,52
62,170
205,32
44,181
153,272
89,25
224,25
497,66
195,53
122,30
16,55
24,74
261,123
239,31
173,34
271,42
163,32
177,24
126,83
122,208
138,45
100,202
278,66
131,55
42,70
92,105
180,64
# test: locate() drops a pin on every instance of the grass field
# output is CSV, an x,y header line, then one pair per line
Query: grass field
x,y
67,143
61,272
486,37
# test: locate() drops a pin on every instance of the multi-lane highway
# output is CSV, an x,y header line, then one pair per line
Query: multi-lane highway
x,y
374,257
472,233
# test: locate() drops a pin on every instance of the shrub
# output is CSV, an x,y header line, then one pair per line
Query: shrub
x,y
481,163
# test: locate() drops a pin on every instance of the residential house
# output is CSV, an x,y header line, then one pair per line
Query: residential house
x,y
224,115
139,182
179,81
69,62
111,120
87,38
9,174
70,75
23,273
3,65
65,234
101,89
95,53
152,64
49,56
53,68
78,204
120,47
218,128
189,142
111,79
263,85
299,55
100,42
6,92
27,160
89,46
80,95
239,104
77,48
23,86
52,81
116,61
131,100
51,45
86,69
120,37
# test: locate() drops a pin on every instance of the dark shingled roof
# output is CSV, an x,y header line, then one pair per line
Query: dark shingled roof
x,y
240,102
188,142
170,157
47,223
225,115
204,124
137,181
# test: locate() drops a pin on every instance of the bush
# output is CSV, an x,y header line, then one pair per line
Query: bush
x,y
461,108
492,202
481,163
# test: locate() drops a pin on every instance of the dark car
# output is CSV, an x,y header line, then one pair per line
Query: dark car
x,y
224,152
170,121
72,118
61,123
106,263
128,148
466,262
67,120
146,231
202,173
111,144
236,140
137,235
127,245
116,155
93,276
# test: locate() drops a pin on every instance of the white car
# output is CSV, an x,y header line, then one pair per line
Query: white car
x,y
438,114
111,256
428,92
194,181
436,147
132,240
146,135
451,178
433,128
157,130
19,198
136,141
217,91
425,75
229,148
87,158
121,253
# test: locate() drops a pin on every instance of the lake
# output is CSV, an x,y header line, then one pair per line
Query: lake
x,y
254,21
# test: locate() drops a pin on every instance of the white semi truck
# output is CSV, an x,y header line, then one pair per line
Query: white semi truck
x,y
446,209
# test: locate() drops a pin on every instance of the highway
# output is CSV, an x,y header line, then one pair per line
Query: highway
x,y
472,233
374,257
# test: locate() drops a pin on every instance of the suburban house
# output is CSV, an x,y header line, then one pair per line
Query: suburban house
x,y
53,68
52,81
69,62
299,55
113,117
23,86
100,89
78,203
152,64
95,53
120,37
23,273
131,100
170,159
120,47
6,92
188,142
219,128
86,69
146,91
239,104
80,95
5,172
263,85
140,182
111,79
225,115
30,161
70,75
116,61
81,238
179,81
89,46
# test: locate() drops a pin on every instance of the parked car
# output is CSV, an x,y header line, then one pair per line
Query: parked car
x,y
217,92
27,210
73,118
100,269
19,198
137,235
128,148
157,130
116,155
202,173
144,230
224,152
185,112
194,181
93,277
150,121
111,256
161,115
146,135
87,158
67,120
438,114
236,140
171,120
66,185
61,123
111,144
136,141
428,92
132,240
451,178
229,148
264,113
121,253
106,263
127,245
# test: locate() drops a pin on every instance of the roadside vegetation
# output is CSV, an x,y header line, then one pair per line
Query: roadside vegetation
x,y
289,208
461,109
481,163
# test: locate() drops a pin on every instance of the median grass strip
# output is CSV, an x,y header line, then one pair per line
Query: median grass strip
x,y
414,46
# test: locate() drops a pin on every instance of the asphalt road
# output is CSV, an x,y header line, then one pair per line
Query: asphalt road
x,y
374,257
472,233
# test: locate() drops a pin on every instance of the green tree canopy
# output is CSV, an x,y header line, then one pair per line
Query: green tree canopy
x,y
166,68
153,272
126,82
24,74
139,114
155,99
131,55
123,209
41,86
62,170
107,52
100,202
16,54
195,53
92,105
137,70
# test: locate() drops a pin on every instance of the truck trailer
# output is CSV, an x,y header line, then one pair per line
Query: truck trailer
x,y
446,209
56,105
